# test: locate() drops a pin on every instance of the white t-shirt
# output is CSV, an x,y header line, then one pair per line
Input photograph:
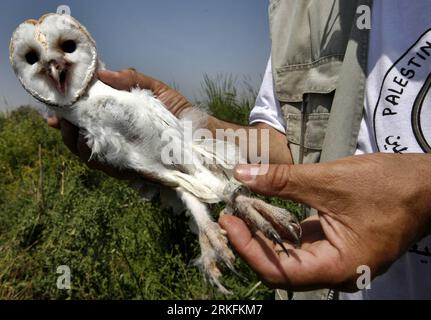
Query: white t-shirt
x,y
397,119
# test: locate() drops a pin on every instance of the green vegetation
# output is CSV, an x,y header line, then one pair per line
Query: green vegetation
x,y
55,211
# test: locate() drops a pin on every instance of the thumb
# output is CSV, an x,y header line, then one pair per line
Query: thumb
x,y
301,183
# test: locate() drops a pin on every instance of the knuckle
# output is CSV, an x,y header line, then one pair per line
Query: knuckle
x,y
129,75
278,177
162,88
132,74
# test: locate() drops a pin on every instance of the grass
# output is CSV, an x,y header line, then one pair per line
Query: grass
x,y
55,211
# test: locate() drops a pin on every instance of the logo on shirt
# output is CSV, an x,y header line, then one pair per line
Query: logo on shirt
x,y
404,95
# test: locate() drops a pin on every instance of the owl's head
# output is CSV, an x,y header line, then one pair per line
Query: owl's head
x,y
55,58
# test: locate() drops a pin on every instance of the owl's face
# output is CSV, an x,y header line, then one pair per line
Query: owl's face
x,y
54,58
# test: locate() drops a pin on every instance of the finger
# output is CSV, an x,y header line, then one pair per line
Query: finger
x,y
271,244
129,79
258,252
70,135
175,102
317,266
308,184
53,122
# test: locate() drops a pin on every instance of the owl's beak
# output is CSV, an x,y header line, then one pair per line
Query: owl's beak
x,y
58,72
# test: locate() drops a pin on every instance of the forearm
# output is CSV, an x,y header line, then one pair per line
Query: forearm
x,y
260,138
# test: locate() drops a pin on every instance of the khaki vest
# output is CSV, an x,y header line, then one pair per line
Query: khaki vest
x,y
319,65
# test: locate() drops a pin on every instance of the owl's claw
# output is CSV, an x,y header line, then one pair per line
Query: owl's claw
x,y
295,231
273,235
275,223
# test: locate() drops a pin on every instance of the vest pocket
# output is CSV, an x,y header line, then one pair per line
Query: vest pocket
x,y
315,128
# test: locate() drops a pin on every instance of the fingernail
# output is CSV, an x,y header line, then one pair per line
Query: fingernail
x,y
246,173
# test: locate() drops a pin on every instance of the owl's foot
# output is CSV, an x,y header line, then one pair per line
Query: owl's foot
x,y
275,223
215,250
213,242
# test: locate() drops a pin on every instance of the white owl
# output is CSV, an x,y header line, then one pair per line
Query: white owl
x,y
56,61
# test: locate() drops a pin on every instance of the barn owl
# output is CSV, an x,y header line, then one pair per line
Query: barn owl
x,y
55,59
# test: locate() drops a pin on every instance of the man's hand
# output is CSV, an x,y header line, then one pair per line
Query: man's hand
x,y
122,80
371,210
130,78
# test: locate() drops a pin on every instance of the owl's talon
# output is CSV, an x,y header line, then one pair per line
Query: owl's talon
x,y
274,236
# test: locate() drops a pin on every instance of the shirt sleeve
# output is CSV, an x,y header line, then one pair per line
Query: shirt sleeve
x,y
267,108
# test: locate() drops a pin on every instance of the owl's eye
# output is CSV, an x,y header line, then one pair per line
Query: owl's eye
x,y
68,46
32,57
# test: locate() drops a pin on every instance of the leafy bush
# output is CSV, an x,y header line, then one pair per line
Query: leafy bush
x,y
55,211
